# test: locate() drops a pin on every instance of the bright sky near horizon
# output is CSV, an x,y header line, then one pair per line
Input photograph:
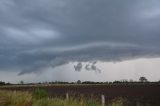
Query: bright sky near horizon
x,y
126,70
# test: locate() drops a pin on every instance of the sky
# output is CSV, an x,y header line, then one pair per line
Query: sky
x,y
69,40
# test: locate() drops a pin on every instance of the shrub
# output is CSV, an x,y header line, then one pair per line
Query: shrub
x,y
40,93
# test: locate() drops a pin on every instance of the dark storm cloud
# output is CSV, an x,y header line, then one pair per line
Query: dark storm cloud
x,y
38,34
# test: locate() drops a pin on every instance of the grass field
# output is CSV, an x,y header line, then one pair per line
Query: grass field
x,y
19,98
81,95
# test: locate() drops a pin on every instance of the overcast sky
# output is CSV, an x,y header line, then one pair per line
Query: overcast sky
x,y
98,40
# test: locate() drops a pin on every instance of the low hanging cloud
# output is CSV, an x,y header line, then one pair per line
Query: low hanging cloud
x,y
78,67
89,67
92,67
35,35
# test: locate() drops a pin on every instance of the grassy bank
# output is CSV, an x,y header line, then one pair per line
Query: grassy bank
x,y
40,98
17,98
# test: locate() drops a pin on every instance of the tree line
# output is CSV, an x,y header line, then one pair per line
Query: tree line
x,y
4,83
141,80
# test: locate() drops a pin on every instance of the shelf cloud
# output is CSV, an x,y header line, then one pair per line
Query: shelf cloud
x,y
38,34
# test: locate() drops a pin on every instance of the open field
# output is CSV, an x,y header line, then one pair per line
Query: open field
x,y
132,94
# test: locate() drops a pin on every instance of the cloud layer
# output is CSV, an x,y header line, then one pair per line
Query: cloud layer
x,y
38,34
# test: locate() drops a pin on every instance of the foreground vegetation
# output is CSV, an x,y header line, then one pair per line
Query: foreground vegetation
x,y
141,94
40,98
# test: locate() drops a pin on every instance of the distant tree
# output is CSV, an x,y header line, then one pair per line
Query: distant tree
x,y
143,79
2,83
116,81
124,81
8,83
79,82
22,82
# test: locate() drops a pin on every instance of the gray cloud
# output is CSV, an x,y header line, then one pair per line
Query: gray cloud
x,y
78,67
92,67
38,34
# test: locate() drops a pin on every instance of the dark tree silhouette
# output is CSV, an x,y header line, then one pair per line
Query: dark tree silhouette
x,y
143,79
79,82
2,83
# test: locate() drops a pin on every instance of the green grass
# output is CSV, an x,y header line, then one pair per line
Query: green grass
x,y
40,98
14,98
40,93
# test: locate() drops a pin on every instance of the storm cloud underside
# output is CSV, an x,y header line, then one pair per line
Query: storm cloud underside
x,y
38,34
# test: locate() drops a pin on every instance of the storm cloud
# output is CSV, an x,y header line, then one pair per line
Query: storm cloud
x,y
36,34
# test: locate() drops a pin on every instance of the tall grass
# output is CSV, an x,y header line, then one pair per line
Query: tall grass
x,y
14,98
40,98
